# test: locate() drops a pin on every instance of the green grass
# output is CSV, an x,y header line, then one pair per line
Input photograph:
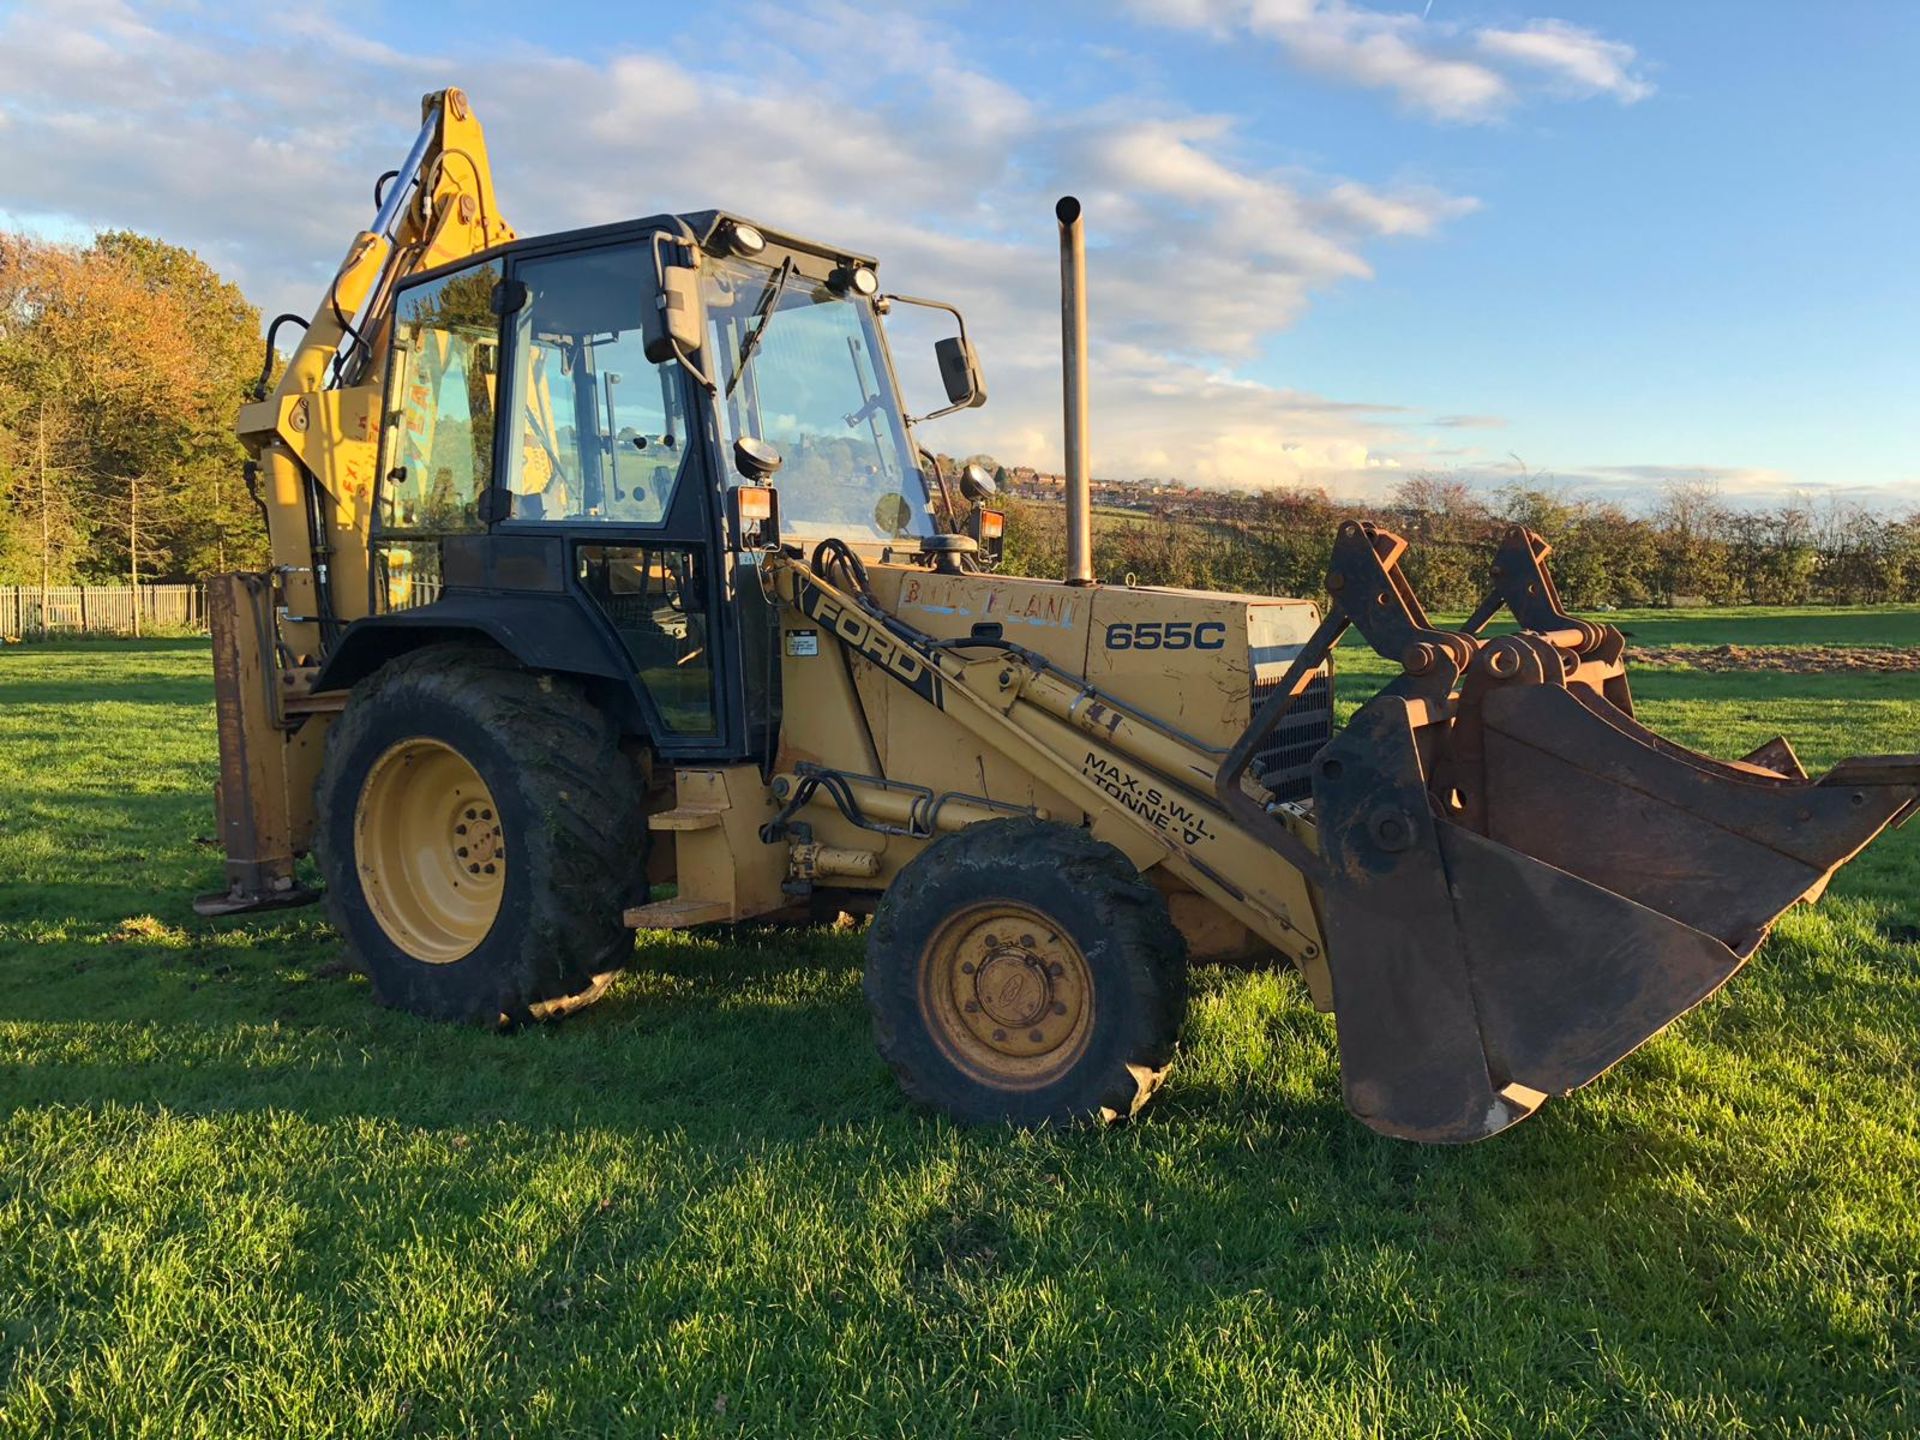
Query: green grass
x,y
238,1199
1772,625
1871,625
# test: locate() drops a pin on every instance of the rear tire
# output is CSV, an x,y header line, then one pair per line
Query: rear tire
x,y
1024,971
480,831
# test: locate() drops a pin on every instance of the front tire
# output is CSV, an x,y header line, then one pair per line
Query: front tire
x,y
480,831
1024,971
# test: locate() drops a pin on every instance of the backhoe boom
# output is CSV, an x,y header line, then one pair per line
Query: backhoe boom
x,y
314,443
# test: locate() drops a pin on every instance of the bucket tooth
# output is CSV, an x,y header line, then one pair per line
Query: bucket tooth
x,y
1776,756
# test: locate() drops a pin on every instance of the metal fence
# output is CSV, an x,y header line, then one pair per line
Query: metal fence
x,y
29,613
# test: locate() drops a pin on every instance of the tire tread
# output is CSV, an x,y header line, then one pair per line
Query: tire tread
x,y
569,763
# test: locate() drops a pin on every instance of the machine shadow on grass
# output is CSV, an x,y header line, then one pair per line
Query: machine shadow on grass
x,y
761,1036
754,1032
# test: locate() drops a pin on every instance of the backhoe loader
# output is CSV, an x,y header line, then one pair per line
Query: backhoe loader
x,y
612,591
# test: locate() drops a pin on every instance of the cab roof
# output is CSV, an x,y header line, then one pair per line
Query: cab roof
x,y
704,225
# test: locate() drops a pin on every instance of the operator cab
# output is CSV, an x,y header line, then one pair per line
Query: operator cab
x,y
563,419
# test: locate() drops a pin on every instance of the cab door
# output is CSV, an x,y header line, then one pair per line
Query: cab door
x,y
600,458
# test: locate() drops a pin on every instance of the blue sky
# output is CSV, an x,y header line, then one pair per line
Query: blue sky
x,y
1332,243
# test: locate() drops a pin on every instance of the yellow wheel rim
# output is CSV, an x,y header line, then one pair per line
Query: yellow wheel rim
x,y
1006,995
430,850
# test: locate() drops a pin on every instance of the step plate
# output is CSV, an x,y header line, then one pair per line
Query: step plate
x,y
676,914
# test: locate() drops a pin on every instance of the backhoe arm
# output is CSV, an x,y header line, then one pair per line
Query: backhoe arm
x,y
314,444
315,439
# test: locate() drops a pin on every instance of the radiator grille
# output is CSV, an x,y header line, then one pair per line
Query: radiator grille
x,y
1284,765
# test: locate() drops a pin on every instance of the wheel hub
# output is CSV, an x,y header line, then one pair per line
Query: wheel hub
x,y
1013,988
476,840
1008,995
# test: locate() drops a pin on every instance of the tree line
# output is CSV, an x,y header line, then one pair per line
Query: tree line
x,y
122,364
124,361
1687,547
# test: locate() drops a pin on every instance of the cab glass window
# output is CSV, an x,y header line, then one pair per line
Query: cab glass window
x,y
440,404
600,433
816,384
656,597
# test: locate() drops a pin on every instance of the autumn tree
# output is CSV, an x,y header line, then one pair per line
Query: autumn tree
x,y
121,367
211,525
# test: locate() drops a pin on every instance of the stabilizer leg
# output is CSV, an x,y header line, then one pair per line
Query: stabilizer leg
x,y
250,797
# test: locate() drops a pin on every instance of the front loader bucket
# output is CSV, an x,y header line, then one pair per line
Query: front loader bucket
x,y
1523,884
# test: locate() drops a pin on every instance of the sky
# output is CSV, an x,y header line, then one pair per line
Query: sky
x,y
1596,246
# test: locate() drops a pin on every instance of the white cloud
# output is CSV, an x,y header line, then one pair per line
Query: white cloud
x,y
1580,61
1636,487
1469,422
1198,252
1439,68
1732,481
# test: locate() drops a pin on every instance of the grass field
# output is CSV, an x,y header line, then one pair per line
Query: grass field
x,y
238,1199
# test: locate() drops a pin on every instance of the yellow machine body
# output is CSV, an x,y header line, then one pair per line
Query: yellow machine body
x,y
846,713
1493,875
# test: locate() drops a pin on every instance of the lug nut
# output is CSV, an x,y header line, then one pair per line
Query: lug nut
x,y
1056,970
1026,942
999,1034
973,1007
966,967
1059,1007
1036,1036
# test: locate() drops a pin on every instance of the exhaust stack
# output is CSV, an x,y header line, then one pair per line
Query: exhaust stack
x,y
1073,364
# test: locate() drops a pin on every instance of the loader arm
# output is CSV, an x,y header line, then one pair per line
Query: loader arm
x,y
1510,883
1149,791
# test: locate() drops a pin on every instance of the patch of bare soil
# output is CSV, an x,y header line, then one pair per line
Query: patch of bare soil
x,y
1799,659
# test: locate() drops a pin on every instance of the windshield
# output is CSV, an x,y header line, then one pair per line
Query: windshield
x,y
815,385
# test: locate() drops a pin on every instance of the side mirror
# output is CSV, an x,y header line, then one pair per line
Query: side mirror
x,y
960,372
674,328
678,323
959,366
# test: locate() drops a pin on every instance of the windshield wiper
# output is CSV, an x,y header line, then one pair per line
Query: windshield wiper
x,y
762,317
